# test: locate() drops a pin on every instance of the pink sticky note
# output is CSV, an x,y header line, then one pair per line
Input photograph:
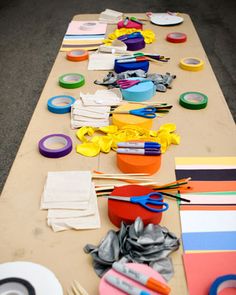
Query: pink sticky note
x,y
86,28
202,269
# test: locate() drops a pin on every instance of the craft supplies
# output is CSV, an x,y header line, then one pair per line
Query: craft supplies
x,y
60,104
72,80
140,91
102,98
110,16
134,163
155,199
150,244
134,268
147,112
47,143
101,61
116,46
125,83
124,286
113,134
134,41
77,289
119,119
146,152
164,19
205,268
130,23
141,278
87,35
223,282
77,55
148,35
22,277
193,100
192,64
131,66
71,199
176,37
82,115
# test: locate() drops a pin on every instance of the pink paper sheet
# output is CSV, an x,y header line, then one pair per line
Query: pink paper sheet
x,y
75,28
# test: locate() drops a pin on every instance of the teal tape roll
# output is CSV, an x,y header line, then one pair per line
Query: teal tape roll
x,y
193,100
223,282
72,80
139,92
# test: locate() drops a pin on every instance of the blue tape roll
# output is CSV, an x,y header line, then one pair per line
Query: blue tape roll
x,y
223,282
131,66
139,92
58,109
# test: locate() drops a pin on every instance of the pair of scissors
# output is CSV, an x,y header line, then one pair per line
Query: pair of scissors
x,y
126,83
147,112
154,198
130,36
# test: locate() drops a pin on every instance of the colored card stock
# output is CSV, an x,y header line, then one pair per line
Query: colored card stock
x,y
203,268
86,28
210,198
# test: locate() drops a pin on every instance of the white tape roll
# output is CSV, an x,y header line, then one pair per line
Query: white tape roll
x,y
88,26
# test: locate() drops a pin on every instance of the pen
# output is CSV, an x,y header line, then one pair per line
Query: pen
x,y
142,145
126,21
134,19
146,152
125,286
143,279
135,59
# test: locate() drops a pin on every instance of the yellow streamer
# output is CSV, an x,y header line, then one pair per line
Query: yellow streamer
x,y
104,143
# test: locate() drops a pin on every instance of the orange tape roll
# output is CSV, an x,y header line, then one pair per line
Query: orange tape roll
x,y
77,55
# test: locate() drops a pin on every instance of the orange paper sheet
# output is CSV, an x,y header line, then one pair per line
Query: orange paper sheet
x,y
209,186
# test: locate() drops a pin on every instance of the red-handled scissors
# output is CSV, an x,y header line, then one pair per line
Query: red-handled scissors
x,y
154,198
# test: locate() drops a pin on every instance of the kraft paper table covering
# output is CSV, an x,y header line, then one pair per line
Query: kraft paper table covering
x,y
209,132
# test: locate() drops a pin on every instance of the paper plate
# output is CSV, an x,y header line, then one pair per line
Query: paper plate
x,y
165,19
42,279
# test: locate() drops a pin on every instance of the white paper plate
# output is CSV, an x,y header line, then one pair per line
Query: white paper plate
x,y
165,19
41,278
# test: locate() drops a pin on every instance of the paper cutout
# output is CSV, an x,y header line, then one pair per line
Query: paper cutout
x,y
203,268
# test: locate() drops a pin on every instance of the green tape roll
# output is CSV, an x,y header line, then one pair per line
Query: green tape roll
x,y
72,80
193,100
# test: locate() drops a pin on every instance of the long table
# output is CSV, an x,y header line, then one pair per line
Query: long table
x,y
208,132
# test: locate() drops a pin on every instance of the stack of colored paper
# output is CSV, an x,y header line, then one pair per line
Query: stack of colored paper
x,y
94,116
87,35
71,200
209,221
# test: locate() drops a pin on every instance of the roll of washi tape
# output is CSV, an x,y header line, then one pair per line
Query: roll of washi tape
x,y
72,80
191,64
139,92
129,25
138,163
133,44
193,100
121,120
60,104
77,55
88,26
223,282
105,288
121,211
16,286
131,66
176,37
46,142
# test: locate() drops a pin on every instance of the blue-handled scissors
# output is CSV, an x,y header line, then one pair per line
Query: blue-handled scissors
x,y
147,112
130,36
154,198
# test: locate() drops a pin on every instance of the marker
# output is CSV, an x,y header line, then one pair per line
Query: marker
x,y
125,286
146,152
134,19
126,21
139,145
135,59
143,279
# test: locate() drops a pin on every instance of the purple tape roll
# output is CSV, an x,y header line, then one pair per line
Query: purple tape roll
x,y
133,44
55,139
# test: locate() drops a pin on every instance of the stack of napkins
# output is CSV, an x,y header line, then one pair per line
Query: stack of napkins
x,y
101,61
71,200
94,116
110,16
111,97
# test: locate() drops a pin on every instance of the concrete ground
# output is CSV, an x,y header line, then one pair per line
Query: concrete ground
x,y
31,32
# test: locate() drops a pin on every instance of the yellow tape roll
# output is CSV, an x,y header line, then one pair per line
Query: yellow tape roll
x,y
191,64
